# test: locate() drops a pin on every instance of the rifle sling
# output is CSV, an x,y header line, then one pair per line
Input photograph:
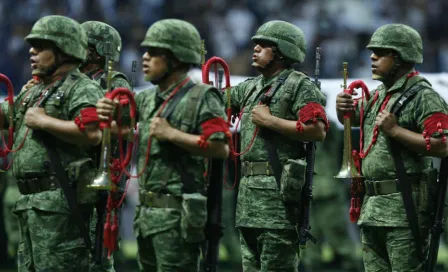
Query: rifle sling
x,y
61,175
269,142
186,178
403,180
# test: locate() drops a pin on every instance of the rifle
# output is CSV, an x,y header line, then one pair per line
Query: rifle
x,y
307,191
213,229
438,226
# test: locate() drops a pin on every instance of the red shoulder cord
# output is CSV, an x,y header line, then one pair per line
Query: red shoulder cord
x,y
114,201
6,149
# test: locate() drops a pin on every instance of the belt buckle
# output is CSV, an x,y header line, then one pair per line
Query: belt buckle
x,y
149,199
268,173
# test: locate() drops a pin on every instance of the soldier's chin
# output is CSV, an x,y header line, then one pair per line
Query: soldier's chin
x,y
38,73
377,77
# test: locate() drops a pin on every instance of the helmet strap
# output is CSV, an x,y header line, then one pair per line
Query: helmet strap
x,y
170,69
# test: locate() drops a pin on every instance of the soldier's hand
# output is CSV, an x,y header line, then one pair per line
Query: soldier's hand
x,y
261,115
35,118
160,129
105,108
386,122
345,102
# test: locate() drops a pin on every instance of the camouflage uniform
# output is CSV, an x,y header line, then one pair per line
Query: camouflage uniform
x,y
386,237
99,35
169,223
329,201
267,225
49,240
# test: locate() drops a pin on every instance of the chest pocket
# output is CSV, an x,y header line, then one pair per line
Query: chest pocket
x,y
53,106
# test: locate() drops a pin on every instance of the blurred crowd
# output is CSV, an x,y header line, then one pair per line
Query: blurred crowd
x,y
342,28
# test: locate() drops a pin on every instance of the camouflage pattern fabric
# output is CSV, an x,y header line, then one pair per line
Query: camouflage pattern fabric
x,y
378,165
65,33
259,204
99,34
48,239
11,224
289,39
329,210
152,225
403,39
268,250
178,36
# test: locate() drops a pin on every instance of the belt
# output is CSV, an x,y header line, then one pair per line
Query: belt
x,y
385,187
256,169
37,185
154,200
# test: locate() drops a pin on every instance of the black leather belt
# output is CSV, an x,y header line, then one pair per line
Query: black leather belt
x,y
37,185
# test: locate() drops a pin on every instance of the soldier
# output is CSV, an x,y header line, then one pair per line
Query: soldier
x,y
388,241
169,223
103,41
50,233
287,109
330,201
103,38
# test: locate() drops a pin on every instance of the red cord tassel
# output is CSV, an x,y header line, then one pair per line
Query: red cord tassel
x,y
107,231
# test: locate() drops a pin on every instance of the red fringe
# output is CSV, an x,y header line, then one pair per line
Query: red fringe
x,y
311,111
438,122
212,126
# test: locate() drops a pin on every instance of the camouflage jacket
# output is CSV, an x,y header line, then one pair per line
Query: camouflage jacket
x,y
259,203
388,210
69,96
159,173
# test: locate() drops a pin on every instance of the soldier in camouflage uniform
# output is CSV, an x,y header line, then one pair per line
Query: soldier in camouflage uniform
x,y
103,38
387,241
267,212
49,238
169,223
104,41
329,217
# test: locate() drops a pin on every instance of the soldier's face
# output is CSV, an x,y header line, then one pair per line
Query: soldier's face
x,y
42,57
263,54
155,63
382,62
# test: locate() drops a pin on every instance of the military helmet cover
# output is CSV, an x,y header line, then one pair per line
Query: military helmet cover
x,y
289,39
100,35
178,36
65,33
401,38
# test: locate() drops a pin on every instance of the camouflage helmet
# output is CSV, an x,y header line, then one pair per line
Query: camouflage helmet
x,y
289,39
65,33
401,38
178,36
99,33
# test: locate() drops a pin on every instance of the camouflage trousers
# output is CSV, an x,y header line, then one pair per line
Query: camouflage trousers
x,y
269,250
167,251
11,225
390,249
107,264
50,241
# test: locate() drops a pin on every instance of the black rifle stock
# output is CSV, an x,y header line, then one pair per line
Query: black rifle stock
x,y
438,226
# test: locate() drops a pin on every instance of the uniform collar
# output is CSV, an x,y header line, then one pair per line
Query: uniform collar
x,y
269,81
400,83
165,94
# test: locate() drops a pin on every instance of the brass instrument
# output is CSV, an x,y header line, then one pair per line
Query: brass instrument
x,y
103,180
348,169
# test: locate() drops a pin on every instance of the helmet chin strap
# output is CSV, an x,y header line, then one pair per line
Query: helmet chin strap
x,y
393,71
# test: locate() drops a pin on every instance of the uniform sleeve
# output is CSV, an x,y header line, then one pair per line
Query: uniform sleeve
x,y
309,104
211,117
4,106
431,115
84,96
